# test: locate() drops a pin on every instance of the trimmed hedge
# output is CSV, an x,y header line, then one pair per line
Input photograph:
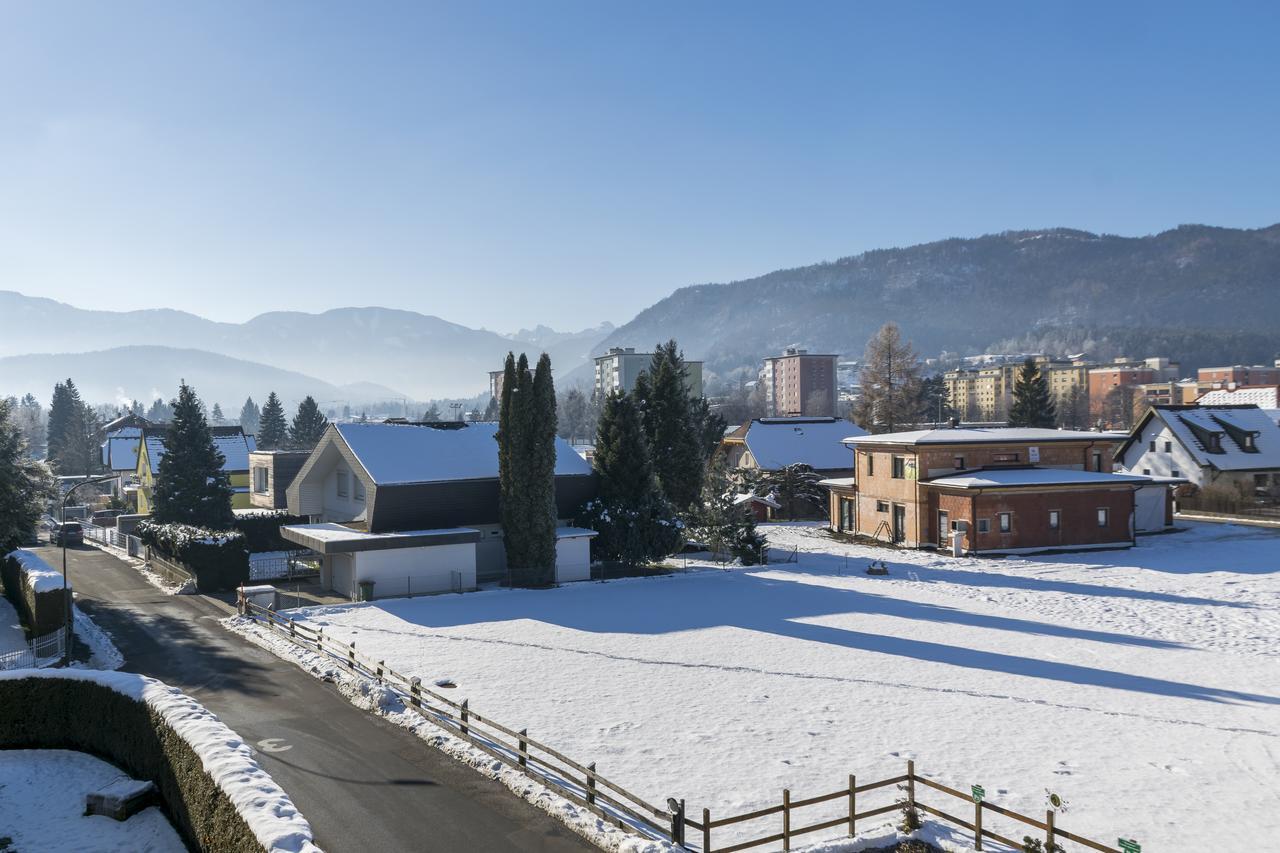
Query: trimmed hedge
x,y
262,530
42,612
51,713
219,560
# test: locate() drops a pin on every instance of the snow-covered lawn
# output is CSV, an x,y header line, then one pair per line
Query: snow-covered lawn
x,y
1143,686
42,795
12,637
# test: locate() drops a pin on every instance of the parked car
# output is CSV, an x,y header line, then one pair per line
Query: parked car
x,y
67,533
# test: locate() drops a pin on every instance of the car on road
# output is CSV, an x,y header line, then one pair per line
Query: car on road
x,y
67,533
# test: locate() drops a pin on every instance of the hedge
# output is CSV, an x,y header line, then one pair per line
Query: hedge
x,y
27,584
262,530
219,560
53,713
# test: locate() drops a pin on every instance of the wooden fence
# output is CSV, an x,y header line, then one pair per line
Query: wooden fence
x,y
581,784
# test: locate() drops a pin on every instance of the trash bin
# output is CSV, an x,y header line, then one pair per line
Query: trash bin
x,y
366,591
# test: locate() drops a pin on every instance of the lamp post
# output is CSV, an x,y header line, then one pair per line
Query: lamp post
x,y
66,592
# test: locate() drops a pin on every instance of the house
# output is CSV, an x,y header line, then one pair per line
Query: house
x,y
770,444
121,438
761,507
1228,446
230,441
998,490
414,507
270,473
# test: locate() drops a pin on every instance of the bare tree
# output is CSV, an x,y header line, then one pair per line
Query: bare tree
x,y
890,380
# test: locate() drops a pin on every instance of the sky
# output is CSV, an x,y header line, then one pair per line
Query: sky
x,y
504,165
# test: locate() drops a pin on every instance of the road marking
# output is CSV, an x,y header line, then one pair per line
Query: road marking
x,y
274,744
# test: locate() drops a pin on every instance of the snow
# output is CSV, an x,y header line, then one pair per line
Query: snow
x,y
12,637
1140,685
995,435
778,442
406,453
265,807
1262,396
103,653
997,477
43,806
40,577
1233,457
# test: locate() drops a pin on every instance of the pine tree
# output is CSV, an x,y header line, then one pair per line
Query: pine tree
x,y
796,489
217,415
890,381
272,429
432,413
1032,403
935,405
674,442
159,412
1073,413
725,525
250,415
573,415
308,425
191,485
72,444
59,417
25,484
28,416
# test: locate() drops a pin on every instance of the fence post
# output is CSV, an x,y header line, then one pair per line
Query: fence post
x,y
977,824
351,655
415,698
1049,834
911,784
292,632
381,664
853,802
706,831
591,784
465,714
786,819
677,821
524,748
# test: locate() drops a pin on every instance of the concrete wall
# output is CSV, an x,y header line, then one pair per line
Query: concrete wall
x,y
573,559
404,571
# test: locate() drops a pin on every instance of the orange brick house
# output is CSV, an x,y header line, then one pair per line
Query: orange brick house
x,y
1001,490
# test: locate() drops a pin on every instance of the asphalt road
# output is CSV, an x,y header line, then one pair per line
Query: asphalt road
x,y
363,783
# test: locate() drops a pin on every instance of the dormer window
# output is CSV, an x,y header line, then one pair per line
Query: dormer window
x,y
1250,444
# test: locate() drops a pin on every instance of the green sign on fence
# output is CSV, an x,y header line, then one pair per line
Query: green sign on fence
x,y
1130,846
979,793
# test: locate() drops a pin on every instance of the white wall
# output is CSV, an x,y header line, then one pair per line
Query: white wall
x,y
1149,504
1140,459
399,571
573,559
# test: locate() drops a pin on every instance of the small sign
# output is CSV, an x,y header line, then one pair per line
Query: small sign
x,y
1033,454
1130,846
979,793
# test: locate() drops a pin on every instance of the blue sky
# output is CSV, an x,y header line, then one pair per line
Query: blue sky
x,y
502,165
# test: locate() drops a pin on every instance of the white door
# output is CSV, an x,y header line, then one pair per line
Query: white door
x,y
342,581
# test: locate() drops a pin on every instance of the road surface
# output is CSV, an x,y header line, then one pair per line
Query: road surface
x,y
363,783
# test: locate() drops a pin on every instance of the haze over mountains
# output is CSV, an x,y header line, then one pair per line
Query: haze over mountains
x,y
1198,293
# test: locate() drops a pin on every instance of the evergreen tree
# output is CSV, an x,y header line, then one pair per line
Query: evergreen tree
x,y
72,445
1073,413
935,405
1032,403
217,415
308,425
518,537
59,418
28,416
725,525
432,413
160,412
539,477
890,381
272,429
250,415
675,443
573,416
505,438
796,488
191,485
25,484
491,410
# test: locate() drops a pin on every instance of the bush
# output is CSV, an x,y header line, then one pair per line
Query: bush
x,y
262,530
635,536
219,560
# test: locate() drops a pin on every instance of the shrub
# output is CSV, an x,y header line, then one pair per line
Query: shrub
x,y
262,530
218,559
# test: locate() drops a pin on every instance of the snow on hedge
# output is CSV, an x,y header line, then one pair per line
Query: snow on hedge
x,y
40,576
264,806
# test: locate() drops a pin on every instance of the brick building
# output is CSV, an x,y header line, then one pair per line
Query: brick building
x,y
1240,374
799,383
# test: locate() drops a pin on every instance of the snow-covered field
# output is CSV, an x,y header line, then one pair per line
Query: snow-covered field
x,y
1143,686
42,795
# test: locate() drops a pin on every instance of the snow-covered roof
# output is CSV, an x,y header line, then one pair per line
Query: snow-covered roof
x,y
749,497
817,442
1017,477
330,538
394,454
845,482
234,446
1218,437
1262,396
995,435
574,532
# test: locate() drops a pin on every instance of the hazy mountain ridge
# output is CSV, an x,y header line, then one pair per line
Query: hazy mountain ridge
x,y
962,295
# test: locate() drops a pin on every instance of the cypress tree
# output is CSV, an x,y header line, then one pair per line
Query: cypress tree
x,y
308,425
272,430
504,436
1032,404
541,476
518,536
191,485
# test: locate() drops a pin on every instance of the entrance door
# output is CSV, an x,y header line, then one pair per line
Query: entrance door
x,y
899,522
944,528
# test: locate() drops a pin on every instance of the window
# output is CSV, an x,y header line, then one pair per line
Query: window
x,y
1175,473
260,480
357,488
1248,441
1104,516
984,525
871,464
341,477
1146,472
1152,445
959,463
1006,522
899,467
1168,447
1055,519
1004,457
882,506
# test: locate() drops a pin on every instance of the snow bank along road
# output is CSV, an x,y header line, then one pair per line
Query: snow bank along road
x,y
362,783
1143,686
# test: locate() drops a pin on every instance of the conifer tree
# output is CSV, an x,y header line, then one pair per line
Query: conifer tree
x,y
59,418
308,425
540,476
675,443
890,381
491,410
432,413
725,525
516,537
272,429
72,444
796,488
250,415
159,412
25,484
191,485
1032,403
503,436
217,415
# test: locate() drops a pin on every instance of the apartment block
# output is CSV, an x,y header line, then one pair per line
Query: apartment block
x,y
1125,373
799,383
986,393
620,367
1239,374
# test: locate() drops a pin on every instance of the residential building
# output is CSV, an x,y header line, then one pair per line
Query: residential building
x,y
986,393
230,441
770,444
997,490
1262,396
620,367
1169,393
1240,374
495,383
270,473
1235,447
799,383
413,507
121,438
1116,388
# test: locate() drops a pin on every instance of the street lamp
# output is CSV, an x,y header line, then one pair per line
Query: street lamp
x,y
66,592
